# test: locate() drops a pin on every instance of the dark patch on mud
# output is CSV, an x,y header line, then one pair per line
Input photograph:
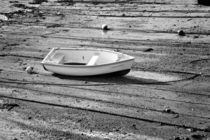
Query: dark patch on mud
x,y
38,1
8,106
204,2
9,44
66,2
23,6
198,136
25,13
148,50
13,2
72,2
54,25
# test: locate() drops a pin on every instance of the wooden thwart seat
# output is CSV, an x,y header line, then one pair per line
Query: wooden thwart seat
x,y
58,58
93,60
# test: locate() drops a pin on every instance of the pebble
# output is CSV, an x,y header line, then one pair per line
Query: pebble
x,y
148,50
190,130
29,118
104,27
181,33
168,110
3,17
196,36
29,69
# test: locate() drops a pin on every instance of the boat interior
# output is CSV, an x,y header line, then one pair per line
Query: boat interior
x,y
85,57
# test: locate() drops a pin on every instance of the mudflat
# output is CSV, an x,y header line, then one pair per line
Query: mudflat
x,y
166,95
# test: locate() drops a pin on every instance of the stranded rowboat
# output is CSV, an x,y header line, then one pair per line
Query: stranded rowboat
x,y
86,62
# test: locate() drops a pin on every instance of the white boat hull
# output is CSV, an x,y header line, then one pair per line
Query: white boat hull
x,y
89,70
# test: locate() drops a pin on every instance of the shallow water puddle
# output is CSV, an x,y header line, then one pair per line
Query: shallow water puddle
x,y
159,77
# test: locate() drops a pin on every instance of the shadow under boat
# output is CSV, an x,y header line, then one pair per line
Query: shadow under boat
x,y
119,77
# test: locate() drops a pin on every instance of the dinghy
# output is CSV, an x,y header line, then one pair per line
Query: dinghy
x,y
86,62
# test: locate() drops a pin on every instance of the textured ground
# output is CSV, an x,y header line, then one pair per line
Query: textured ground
x,y
165,96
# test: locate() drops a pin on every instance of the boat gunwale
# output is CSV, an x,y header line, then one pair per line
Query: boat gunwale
x,y
85,66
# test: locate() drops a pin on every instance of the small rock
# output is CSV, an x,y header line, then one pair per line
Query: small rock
x,y
29,69
168,110
148,50
190,129
181,33
3,18
104,27
196,36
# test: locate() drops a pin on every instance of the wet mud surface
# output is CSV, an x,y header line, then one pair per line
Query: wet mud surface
x,y
166,95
